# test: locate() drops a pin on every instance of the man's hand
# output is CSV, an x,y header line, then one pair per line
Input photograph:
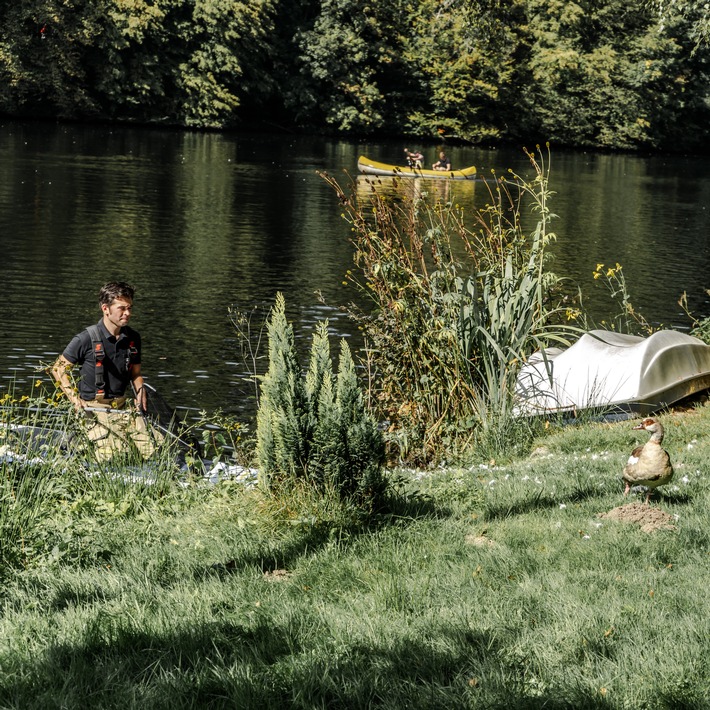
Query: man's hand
x,y
141,400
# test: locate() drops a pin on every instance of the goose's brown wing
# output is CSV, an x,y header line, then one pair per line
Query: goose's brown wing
x,y
630,468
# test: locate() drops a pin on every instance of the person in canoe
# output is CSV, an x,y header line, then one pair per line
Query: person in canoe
x,y
414,158
109,358
443,163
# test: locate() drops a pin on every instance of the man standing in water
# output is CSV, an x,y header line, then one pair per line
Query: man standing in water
x,y
109,357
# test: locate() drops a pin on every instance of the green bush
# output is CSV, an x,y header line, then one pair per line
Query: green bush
x,y
316,430
459,301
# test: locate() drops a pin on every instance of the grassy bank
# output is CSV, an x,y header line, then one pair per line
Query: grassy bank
x,y
497,586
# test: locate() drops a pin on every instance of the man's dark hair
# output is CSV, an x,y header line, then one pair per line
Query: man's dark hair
x,y
115,289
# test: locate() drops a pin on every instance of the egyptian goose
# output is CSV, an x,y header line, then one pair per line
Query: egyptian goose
x,y
649,465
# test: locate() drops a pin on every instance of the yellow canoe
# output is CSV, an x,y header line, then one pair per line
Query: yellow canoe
x,y
372,167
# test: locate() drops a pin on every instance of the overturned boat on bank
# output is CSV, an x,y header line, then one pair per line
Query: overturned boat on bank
x,y
614,372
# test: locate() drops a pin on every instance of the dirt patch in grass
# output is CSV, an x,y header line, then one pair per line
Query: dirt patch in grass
x,y
479,541
649,518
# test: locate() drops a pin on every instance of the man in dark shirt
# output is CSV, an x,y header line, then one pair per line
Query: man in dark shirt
x,y
443,163
114,349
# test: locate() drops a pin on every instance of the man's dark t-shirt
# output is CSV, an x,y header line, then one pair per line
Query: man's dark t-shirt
x,y
116,376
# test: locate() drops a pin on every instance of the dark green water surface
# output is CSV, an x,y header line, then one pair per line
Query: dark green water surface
x,y
201,222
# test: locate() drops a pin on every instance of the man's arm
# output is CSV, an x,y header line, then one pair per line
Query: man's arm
x,y
137,381
60,372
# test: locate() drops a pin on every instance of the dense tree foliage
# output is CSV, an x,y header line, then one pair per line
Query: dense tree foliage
x,y
187,62
605,74
347,54
601,73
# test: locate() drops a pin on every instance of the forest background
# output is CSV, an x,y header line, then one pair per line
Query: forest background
x,y
609,74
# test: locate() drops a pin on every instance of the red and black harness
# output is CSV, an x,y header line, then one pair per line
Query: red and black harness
x,y
99,350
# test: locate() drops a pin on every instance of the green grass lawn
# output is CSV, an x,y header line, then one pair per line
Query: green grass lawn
x,y
494,586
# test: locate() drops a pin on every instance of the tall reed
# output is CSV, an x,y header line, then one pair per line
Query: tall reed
x,y
50,481
31,435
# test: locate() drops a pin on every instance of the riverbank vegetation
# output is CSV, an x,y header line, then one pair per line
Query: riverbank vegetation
x,y
458,302
487,586
616,74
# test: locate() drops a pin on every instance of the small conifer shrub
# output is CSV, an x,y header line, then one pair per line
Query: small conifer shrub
x,y
316,429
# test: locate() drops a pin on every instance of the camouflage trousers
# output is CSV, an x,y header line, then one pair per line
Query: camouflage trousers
x,y
116,430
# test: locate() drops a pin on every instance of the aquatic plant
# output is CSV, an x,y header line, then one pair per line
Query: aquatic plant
x,y
628,319
700,324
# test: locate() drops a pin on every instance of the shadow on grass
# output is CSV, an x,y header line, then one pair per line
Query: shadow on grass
x,y
397,510
672,497
540,500
511,508
263,664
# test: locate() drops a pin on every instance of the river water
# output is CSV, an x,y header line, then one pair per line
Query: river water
x,y
204,222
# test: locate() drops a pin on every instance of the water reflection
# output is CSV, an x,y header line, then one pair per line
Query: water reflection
x,y
411,188
197,221
460,192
